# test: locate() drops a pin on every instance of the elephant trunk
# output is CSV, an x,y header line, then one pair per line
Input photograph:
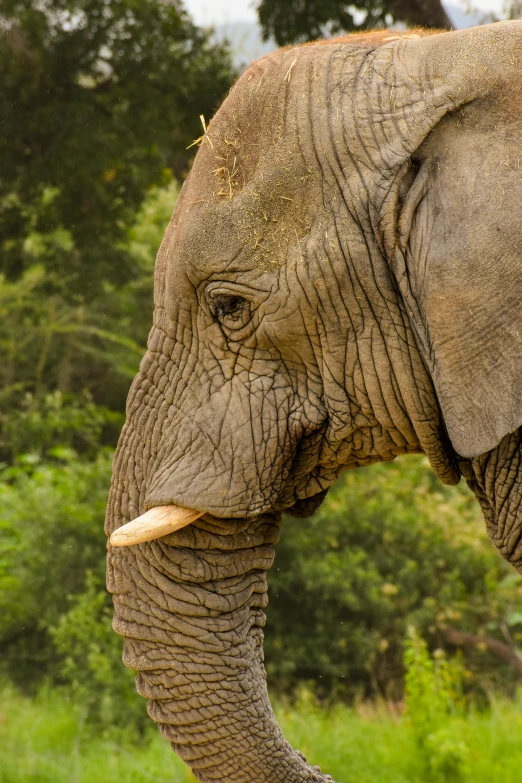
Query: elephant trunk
x,y
190,608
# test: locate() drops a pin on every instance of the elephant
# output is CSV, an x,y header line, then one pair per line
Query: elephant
x,y
340,284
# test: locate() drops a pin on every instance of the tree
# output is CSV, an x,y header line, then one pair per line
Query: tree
x,y
67,363
296,21
99,100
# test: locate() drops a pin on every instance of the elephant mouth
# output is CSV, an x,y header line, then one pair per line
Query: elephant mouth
x,y
160,521
154,523
304,508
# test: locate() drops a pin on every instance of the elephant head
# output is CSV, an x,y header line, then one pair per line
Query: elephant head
x,y
340,284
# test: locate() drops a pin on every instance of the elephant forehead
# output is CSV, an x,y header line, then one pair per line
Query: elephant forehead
x,y
255,184
254,134
221,223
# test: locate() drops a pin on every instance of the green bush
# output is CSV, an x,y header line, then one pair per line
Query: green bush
x,y
51,520
389,548
92,668
56,613
48,424
66,371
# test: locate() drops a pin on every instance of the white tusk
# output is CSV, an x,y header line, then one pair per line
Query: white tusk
x,y
154,523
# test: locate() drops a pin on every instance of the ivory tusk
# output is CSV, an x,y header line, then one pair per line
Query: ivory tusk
x,y
154,523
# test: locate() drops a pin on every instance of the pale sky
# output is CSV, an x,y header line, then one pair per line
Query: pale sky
x,y
220,11
206,12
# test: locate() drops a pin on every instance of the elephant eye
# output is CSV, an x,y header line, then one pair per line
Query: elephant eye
x,y
228,305
232,311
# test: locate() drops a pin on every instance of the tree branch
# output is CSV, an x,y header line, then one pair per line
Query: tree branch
x,y
501,650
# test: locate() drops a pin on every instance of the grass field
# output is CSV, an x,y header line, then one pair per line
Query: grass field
x,y
45,741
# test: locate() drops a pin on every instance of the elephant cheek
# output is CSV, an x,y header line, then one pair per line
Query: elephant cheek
x,y
496,480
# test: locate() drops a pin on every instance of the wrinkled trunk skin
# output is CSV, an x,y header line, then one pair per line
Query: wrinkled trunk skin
x,y
496,480
190,607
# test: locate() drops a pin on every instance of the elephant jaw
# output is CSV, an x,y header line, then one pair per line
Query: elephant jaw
x,y
154,523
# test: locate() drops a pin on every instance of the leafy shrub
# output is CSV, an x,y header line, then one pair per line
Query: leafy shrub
x,y
51,520
56,613
390,547
65,374
55,421
92,667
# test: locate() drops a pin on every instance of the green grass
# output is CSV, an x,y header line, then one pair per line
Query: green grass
x,y
45,741
377,749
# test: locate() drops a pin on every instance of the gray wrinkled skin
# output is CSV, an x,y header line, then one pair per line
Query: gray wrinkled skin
x,y
339,284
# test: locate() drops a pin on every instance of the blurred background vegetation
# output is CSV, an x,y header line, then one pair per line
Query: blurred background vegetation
x,y
100,100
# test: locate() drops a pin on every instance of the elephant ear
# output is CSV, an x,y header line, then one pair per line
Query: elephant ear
x,y
460,250
457,246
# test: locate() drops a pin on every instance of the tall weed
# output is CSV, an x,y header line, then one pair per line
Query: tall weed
x,y
433,690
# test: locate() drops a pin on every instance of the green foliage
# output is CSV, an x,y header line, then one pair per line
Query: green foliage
x,y
66,360
433,690
374,744
350,582
385,551
52,424
99,100
296,21
146,232
65,377
305,20
92,667
51,520
389,548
